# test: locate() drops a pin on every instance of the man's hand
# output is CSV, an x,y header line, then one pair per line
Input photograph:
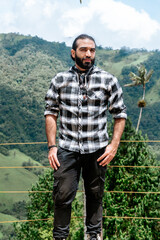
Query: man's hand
x,y
111,149
53,160
108,155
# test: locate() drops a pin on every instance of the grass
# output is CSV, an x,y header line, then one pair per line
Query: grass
x,y
6,228
6,217
15,179
153,95
1,235
116,67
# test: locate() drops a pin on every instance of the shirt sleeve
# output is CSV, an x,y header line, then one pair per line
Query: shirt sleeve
x,y
52,99
116,104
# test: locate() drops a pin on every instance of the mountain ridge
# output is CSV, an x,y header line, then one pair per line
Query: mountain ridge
x,y
27,65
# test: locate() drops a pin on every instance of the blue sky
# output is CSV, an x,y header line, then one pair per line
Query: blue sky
x,y
113,23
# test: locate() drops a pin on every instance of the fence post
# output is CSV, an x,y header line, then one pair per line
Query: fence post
x,y
84,213
101,235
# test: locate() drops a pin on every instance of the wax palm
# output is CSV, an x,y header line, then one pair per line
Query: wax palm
x,y
141,79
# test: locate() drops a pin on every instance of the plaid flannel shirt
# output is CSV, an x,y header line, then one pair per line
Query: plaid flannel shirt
x,y
82,102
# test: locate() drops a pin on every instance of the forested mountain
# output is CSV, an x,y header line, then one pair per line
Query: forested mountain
x,y
27,65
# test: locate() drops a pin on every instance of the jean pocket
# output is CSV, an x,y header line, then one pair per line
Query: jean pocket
x,y
55,188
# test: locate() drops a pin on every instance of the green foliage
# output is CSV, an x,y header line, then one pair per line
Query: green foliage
x,y
123,52
77,221
132,179
41,207
27,65
148,124
12,179
18,210
6,230
153,62
142,78
28,165
114,204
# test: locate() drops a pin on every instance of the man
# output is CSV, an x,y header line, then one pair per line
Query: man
x,y
81,96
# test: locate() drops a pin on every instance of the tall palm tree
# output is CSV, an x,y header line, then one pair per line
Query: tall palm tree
x,y
141,79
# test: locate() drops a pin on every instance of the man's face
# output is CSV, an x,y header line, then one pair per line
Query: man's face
x,y
84,54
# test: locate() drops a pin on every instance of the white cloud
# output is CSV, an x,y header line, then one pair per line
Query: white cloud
x,y
125,24
111,22
118,17
8,18
49,9
29,3
73,21
7,22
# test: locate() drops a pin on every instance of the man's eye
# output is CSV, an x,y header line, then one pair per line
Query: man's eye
x,y
83,50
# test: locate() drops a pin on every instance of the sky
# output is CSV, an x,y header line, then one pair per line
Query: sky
x,y
113,23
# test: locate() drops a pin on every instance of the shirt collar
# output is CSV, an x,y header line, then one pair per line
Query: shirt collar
x,y
87,72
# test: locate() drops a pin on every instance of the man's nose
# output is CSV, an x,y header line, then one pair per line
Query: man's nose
x,y
88,53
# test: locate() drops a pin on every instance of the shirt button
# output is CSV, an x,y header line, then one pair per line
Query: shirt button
x,y
80,127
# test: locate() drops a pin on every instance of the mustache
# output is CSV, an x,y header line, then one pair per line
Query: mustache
x,y
88,58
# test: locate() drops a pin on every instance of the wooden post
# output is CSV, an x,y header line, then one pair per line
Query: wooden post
x,y
101,235
84,212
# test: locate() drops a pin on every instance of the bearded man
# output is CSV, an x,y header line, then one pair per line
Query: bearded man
x,y
81,97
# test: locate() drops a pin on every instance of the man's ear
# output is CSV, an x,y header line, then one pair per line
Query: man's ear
x,y
73,53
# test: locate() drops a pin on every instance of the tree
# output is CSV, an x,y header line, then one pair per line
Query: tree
x,y
41,207
132,153
141,79
114,204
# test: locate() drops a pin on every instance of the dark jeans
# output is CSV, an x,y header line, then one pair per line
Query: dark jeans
x,y
66,180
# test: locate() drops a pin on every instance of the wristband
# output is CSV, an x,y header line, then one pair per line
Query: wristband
x,y
52,146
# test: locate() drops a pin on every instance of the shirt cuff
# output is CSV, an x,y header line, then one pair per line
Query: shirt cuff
x,y
120,115
50,113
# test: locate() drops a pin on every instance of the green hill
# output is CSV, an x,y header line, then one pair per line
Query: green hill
x,y
15,179
5,217
12,205
26,68
121,63
111,61
6,229
27,65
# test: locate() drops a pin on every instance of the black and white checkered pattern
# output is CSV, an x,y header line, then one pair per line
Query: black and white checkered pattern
x,y
82,103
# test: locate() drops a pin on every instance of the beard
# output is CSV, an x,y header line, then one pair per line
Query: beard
x,y
85,65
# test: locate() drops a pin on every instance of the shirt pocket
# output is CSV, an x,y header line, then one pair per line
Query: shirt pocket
x,y
96,99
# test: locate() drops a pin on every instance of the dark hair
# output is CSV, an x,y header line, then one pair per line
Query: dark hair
x,y
81,36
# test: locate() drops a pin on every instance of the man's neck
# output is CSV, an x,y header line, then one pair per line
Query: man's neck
x,y
81,69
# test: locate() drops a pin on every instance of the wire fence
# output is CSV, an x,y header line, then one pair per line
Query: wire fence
x,y
48,219
111,166
129,192
25,143
114,166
